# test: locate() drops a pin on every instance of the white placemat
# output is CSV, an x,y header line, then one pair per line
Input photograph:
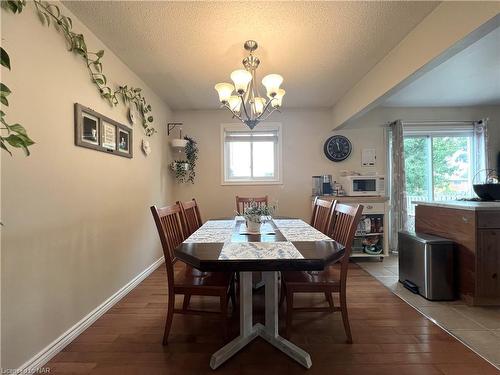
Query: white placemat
x,y
303,234
259,250
265,228
211,224
204,235
290,223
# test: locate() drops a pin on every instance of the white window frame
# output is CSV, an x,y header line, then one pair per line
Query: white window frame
x,y
278,161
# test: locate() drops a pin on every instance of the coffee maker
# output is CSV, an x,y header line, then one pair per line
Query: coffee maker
x,y
322,185
327,184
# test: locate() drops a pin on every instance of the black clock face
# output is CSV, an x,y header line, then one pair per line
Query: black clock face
x,y
337,148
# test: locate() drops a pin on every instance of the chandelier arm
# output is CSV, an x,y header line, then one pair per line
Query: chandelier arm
x,y
266,108
270,101
268,114
233,112
245,108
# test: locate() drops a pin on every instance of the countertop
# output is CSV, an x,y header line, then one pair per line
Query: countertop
x,y
463,205
356,199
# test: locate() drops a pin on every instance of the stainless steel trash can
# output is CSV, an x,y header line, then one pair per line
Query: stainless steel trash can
x,y
426,265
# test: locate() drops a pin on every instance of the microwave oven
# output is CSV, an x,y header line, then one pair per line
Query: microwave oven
x,y
363,185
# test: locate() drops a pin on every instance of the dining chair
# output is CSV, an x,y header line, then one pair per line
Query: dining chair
x,y
322,218
191,214
242,203
331,279
183,279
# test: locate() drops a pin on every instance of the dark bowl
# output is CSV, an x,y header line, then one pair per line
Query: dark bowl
x,y
487,192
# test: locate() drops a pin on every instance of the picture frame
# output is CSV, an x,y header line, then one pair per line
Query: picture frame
x,y
108,135
123,141
90,129
98,132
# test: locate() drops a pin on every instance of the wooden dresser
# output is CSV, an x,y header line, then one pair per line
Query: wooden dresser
x,y
475,228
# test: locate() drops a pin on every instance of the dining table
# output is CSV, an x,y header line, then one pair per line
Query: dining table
x,y
282,244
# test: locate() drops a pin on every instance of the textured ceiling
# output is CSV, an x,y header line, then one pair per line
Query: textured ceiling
x,y
181,49
471,77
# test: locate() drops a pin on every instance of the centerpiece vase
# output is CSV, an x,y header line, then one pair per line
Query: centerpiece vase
x,y
253,226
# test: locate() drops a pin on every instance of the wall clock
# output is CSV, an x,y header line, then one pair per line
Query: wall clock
x,y
337,148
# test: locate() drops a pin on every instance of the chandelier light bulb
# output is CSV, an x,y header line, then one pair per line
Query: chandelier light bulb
x,y
235,103
241,79
278,98
258,105
224,90
272,83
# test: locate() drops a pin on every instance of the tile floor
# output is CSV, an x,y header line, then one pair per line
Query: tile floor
x,y
477,327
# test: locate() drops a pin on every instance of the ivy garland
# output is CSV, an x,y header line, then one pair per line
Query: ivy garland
x,y
51,13
185,169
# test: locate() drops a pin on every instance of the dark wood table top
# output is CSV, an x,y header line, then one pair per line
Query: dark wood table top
x,y
205,255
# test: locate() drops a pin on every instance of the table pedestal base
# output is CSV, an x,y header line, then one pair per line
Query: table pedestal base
x,y
268,332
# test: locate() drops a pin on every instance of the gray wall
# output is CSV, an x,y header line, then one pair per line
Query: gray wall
x,y
77,221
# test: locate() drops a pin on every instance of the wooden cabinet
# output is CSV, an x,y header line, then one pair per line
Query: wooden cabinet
x,y
476,234
488,266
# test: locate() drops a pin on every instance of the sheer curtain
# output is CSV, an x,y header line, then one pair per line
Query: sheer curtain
x,y
398,184
480,141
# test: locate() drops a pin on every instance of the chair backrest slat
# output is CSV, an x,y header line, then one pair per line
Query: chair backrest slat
x,y
192,217
346,220
169,223
243,203
322,215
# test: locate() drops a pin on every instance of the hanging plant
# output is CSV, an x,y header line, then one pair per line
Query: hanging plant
x,y
12,135
185,169
50,13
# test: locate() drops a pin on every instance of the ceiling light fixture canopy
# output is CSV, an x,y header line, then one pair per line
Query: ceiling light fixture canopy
x,y
243,97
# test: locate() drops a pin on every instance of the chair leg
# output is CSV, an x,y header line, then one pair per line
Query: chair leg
x,y
170,315
345,317
186,301
329,298
289,313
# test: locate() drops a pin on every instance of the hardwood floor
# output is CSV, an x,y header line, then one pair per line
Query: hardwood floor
x,y
390,337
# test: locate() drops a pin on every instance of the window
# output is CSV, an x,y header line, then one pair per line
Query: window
x,y
251,156
438,164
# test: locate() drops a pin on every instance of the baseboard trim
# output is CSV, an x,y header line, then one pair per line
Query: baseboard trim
x,y
46,354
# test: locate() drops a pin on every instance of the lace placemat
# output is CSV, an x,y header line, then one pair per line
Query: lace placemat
x,y
213,235
259,250
303,234
211,224
290,223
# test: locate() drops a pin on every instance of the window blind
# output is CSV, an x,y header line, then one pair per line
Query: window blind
x,y
438,129
255,136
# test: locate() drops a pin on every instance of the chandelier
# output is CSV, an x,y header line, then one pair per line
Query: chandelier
x,y
243,98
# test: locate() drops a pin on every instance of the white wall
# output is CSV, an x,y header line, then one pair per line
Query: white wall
x,y
304,134
77,221
449,28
